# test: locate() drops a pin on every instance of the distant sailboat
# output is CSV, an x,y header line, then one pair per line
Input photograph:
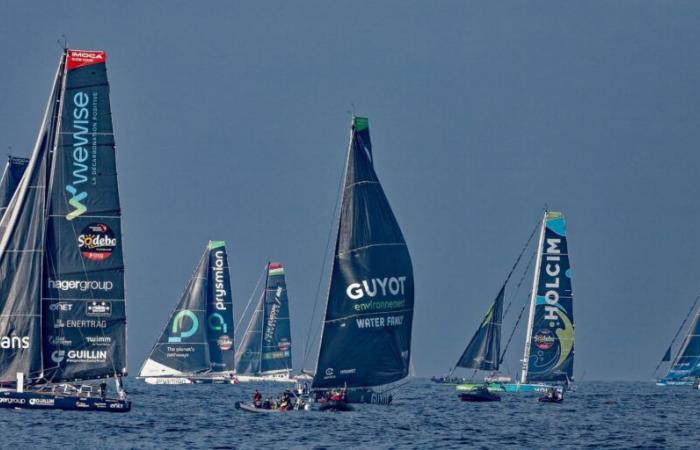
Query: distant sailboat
x,y
11,176
265,353
366,336
62,306
549,344
196,345
685,366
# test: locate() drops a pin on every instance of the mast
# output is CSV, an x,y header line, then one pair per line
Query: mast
x,y
533,298
264,316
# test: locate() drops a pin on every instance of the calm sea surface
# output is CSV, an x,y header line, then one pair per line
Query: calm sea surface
x,y
423,416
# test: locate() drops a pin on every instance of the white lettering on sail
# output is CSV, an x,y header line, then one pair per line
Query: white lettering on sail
x,y
370,288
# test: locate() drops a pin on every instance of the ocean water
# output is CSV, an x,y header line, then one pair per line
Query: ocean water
x,y
423,416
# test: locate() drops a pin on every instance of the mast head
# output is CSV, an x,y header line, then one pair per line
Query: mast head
x,y
216,244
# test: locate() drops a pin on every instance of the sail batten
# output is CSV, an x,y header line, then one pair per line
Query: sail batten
x,y
366,336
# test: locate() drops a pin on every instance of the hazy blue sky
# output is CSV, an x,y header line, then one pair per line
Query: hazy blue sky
x,y
232,120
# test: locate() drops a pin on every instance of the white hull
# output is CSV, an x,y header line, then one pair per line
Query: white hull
x,y
167,380
284,377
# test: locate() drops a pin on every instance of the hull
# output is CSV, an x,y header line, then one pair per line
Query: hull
x,y
277,378
675,383
32,400
252,409
479,397
509,388
189,380
363,396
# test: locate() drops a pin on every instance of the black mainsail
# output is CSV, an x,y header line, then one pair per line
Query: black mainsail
x,y
62,307
484,349
198,337
266,347
11,176
366,337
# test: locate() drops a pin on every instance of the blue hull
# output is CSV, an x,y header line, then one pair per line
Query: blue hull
x,y
33,400
513,388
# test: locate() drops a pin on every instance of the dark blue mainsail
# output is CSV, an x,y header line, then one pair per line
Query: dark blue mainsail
x,y
11,176
276,355
366,338
549,349
84,311
198,337
484,350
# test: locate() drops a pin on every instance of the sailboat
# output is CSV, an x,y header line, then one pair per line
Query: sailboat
x,y
11,176
196,345
549,342
685,366
366,336
62,306
265,353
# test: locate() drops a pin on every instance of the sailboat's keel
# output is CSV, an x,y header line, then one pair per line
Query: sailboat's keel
x,y
32,400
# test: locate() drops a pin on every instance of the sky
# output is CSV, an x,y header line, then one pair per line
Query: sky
x,y
231,121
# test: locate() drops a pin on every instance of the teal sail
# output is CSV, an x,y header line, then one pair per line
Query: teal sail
x,y
549,347
484,350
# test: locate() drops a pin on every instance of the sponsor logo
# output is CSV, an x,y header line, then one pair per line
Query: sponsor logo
x,y
99,309
98,340
73,356
284,345
217,323
58,356
97,242
14,342
180,329
80,285
272,318
12,401
330,372
60,340
86,323
219,287
552,271
544,339
60,306
379,322
81,58
80,154
224,342
376,286
41,401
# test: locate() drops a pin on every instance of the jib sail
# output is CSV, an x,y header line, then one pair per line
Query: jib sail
x,y
198,336
366,338
484,349
249,354
549,347
276,355
84,311
11,176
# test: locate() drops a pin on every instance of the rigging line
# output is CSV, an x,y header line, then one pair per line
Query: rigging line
x,y
309,337
250,300
522,252
520,283
512,333
676,357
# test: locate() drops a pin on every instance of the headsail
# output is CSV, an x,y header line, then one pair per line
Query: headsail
x,y
249,352
549,347
84,311
484,350
366,338
22,230
11,176
198,336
